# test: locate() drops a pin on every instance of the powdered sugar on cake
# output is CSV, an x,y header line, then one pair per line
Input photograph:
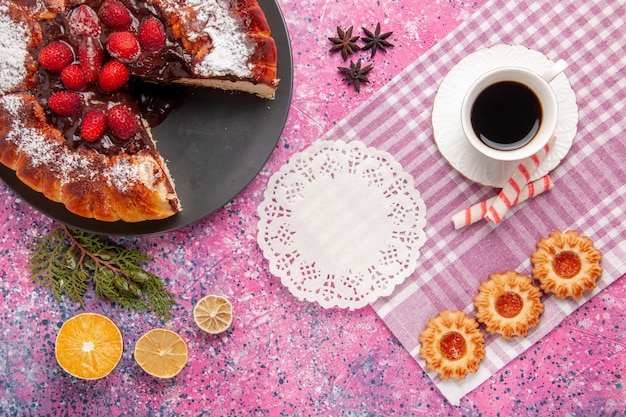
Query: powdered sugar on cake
x,y
27,139
231,49
13,51
59,159
122,173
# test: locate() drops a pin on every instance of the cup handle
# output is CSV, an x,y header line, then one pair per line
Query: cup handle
x,y
554,70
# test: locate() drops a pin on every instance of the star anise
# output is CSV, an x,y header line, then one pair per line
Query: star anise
x,y
344,43
376,41
356,75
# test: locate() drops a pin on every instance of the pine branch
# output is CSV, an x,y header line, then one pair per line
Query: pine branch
x,y
66,260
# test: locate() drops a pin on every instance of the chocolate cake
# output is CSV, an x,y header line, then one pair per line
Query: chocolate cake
x,y
71,80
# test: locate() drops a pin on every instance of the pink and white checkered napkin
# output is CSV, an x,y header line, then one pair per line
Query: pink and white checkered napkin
x,y
590,183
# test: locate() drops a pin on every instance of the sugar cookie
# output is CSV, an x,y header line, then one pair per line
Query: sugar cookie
x,y
508,304
566,264
452,345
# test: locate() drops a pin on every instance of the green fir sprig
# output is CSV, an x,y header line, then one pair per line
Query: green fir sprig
x,y
67,260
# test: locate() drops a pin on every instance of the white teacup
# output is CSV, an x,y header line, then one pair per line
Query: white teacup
x,y
510,113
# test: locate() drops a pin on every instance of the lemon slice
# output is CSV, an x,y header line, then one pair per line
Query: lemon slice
x,y
89,346
161,353
213,314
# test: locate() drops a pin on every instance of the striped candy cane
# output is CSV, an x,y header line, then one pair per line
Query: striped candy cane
x,y
511,191
478,211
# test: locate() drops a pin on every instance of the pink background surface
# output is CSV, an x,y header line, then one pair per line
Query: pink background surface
x,y
284,356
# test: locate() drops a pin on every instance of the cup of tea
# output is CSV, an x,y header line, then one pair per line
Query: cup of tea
x,y
510,113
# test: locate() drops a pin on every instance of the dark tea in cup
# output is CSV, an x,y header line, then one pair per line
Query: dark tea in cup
x,y
506,115
510,113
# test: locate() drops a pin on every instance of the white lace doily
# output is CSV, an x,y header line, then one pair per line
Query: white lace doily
x,y
341,224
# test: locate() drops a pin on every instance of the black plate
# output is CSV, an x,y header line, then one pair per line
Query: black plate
x,y
215,143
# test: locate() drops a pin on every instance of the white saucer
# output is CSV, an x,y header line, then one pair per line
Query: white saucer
x,y
446,116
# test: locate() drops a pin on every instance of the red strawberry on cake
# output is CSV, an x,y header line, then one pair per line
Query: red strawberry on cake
x,y
56,56
152,35
65,103
90,57
83,21
93,126
122,122
113,76
72,77
115,15
123,46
